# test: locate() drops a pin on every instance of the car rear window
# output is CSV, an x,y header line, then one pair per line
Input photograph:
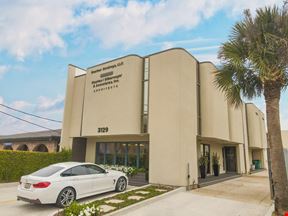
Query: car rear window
x,y
47,171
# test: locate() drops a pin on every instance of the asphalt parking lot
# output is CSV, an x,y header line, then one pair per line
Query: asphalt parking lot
x,y
9,206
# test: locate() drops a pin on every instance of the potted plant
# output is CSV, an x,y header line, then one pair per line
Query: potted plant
x,y
215,164
203,160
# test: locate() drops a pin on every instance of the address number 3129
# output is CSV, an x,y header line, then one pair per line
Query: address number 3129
x,y
103,130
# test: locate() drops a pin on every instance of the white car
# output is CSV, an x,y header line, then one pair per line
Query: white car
x,y
63,183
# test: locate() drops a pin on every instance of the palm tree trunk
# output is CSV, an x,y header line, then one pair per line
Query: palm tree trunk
x,y
278,168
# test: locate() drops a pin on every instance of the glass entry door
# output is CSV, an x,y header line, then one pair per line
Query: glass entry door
x,y
205,150
231,159
123,153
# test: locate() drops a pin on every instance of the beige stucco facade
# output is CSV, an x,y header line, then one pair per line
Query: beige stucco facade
x,y
72,117
118,99
284,134
172,110
221,123
256,135
163,106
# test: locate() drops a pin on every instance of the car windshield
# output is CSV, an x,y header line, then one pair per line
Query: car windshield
x,y
47,171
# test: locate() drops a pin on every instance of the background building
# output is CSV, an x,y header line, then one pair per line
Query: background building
x,y
285,146
42,141
160,112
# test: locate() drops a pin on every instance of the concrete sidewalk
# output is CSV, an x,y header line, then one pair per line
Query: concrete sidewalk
x,y
244,196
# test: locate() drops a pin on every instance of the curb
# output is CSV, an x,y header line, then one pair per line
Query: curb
x,y
124,211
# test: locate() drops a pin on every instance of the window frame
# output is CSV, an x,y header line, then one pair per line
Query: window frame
x,y
94,165
82,165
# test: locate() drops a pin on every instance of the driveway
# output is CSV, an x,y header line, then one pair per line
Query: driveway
x,y
244,196
9,206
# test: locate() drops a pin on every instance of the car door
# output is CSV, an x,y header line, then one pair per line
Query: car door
x,y
80,179
102,181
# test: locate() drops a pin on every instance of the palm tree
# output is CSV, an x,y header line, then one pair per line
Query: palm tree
x,y
254,63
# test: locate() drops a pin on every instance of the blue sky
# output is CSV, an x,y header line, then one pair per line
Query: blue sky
x,y
38,39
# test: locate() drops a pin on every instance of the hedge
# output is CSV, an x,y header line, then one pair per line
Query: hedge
x,y
14,164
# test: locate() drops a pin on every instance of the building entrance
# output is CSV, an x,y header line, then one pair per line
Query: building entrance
x,y
132,154
230,159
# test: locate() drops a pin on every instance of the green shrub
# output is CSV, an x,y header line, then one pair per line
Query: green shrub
x,y
76,209
14,164
129,171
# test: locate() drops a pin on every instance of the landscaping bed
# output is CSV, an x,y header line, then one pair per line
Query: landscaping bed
x,y
113,203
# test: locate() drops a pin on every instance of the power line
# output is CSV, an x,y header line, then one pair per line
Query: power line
x,y
28,122
30,114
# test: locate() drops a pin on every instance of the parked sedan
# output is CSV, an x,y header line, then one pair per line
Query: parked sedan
x,y
63,183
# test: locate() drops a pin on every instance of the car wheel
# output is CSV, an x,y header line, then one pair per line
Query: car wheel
x,y
66,197
121,184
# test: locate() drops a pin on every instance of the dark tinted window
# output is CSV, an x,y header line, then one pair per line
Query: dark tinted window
x,y
67,173
93,169
47,171
79,170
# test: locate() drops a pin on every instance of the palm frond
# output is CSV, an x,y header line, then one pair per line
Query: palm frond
x,y
256,53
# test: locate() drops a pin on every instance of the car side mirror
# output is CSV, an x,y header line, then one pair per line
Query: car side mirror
x,y
106,171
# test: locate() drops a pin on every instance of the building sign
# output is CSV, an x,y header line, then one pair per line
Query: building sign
x,y
106,77
113,96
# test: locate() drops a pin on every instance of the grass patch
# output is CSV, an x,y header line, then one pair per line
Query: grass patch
x,y
75,209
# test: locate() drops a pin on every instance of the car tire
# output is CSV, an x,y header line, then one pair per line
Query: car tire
x,y
121,184
66,197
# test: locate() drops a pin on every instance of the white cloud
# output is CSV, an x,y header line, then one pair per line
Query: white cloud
x,y
167,45
1,100
20,104
3,70
137,22
187,43
207,57
237,7
50,104
203,48
33,27
46,107
184,43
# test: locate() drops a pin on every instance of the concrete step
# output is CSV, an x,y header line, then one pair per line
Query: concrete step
x,y
138,184
204,184
137,177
